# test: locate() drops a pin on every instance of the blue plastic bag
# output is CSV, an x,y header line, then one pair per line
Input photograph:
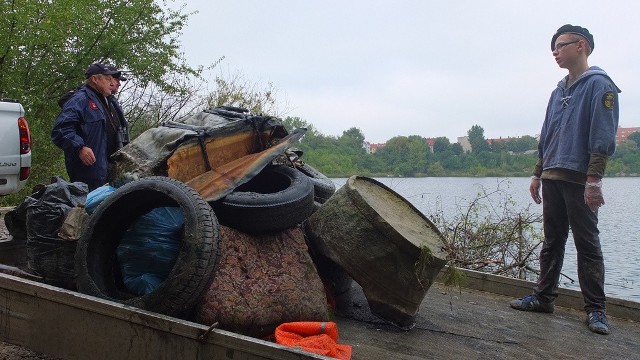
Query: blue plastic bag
x,y
95,197
149,249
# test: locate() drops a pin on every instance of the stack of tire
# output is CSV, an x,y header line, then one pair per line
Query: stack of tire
x,y
278,198
245,249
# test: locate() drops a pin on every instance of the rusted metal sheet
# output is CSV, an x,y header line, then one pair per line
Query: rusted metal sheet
x,y
188,161
224,135
215,184
71,325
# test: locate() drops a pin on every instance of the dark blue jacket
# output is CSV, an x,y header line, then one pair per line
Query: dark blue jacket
x,y
82,122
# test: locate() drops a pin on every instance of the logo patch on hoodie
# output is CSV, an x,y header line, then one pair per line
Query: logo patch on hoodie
x,y
93,105
608,100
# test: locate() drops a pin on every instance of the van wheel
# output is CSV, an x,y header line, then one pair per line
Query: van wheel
x,y
96,265
278,198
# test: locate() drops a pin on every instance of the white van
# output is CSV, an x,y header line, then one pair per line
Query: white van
x,y
15,147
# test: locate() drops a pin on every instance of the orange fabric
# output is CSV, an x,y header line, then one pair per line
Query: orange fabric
x,y
316,337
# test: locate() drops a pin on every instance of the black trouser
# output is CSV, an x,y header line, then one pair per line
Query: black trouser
x,y
563,208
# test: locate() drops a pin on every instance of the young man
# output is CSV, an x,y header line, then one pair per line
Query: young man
x,y
577,137
84,128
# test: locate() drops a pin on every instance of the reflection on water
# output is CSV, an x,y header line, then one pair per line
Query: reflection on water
x,y
619,220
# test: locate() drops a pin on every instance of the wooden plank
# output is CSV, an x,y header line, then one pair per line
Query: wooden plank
x,y
71,325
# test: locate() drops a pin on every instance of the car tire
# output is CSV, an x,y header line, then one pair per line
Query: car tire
x,y
96,265
323,187
278,198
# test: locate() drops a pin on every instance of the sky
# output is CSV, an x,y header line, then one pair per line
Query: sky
x,y
411,67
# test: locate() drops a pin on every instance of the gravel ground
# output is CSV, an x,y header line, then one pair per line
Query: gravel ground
x,y
4,234
14,352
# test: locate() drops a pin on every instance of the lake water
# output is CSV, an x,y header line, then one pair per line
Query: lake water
x,y
619,220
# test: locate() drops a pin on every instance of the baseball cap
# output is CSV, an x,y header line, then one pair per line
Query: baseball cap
x,y
118,75
573,29
99,69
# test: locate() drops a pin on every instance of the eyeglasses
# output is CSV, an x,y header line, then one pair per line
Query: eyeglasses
x,y
559,46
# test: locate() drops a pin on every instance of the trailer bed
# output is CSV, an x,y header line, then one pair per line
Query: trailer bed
x,y
471,323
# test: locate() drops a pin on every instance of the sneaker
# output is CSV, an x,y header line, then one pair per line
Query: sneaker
x,y
598,322
531,303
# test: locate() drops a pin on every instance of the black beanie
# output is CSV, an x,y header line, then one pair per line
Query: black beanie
x,y
573,29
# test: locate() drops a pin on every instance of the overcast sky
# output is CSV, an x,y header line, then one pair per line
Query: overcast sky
x,y
411,67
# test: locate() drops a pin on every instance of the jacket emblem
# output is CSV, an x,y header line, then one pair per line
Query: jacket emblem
x,y
93,105
608,100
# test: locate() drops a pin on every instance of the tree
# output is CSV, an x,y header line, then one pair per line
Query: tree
x,y
476,139
522,144
242,93
441,144
457,149
46,46
436,169
635,137
406,156
291,123
626,160
394,152
310,136
353,139
499,146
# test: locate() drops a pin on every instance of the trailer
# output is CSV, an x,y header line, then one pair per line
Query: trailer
x,y
470,322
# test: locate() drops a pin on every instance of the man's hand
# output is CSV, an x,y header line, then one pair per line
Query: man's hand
x,y
593,194
534,189
86,156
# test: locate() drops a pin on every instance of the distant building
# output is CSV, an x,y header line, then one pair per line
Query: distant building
x,y
623,133
500,140
430,142
464,142
376,147
367,147
466,145
372,148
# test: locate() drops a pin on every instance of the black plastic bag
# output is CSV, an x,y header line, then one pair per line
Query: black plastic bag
x,y
48,255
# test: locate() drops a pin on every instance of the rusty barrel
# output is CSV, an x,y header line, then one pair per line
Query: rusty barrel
x,y
387,246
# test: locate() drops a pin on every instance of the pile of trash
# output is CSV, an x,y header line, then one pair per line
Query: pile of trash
x,y
216,218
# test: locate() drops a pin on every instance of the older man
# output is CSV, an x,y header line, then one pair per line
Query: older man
x,y
86,128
